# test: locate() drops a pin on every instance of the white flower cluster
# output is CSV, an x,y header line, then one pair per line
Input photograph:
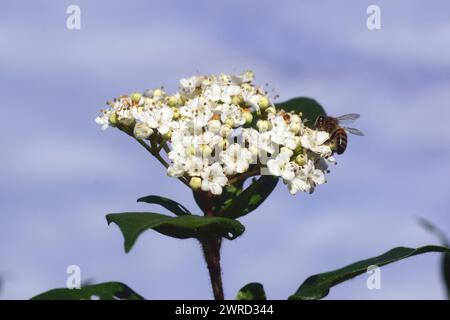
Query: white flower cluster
x,y
217,128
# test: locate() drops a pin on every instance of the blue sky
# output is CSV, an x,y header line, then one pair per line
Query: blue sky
x,y
60,175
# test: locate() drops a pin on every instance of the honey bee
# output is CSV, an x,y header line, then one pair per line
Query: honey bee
x,y
338,133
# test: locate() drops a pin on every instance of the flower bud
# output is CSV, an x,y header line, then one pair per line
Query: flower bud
x,y
206,150
136,97
214,126
249,76
230,122
237,100
295,127
173,101
142,131
148,101
225,131
175,113
195,183
113,119
299,149
157,93
295,118
300,159
248,117
262,125
167,135
181,101
263,102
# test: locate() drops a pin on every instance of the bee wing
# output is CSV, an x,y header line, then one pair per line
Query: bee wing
x,y
354,131
348,118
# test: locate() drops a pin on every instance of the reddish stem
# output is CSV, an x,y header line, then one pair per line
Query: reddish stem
x,y
211,251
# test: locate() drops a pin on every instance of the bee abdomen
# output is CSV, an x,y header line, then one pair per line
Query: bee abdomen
x,y
340,140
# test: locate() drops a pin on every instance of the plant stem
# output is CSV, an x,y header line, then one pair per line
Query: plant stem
x,y
244,175
159,158
211,251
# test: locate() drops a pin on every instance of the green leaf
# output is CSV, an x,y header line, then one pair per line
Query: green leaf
x,y
132,224
310,109
318,286
251,198
445,264
171,205
252,291
102,291
217,202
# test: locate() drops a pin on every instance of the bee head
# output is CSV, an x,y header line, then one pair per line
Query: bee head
x,y
320,121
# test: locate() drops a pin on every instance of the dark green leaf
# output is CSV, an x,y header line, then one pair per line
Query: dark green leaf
x,y
310,109
102,291
252,291
217,202
132,224
446,272
446,256
167,203
318,286
251,198
199,200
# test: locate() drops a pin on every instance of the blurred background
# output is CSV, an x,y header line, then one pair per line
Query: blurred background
x,y
60,174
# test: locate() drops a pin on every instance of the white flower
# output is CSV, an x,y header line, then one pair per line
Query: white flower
x,y
258,141
214,126
281,166
159,119
207,138
246,77
198,110
306,178
103,120
280,133
176,169
188,85
124,113
225,131
251,98
218,92
204,120
314,140
236,159
230,111
213,179
195,165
